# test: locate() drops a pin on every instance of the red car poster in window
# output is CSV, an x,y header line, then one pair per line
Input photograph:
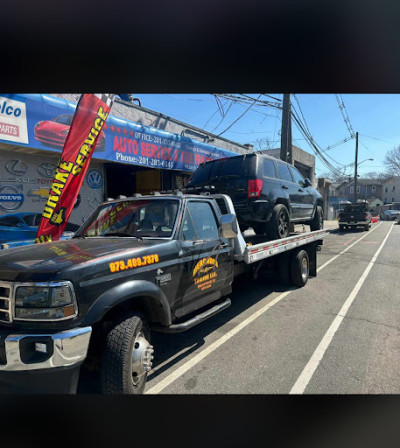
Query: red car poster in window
x,y
87,123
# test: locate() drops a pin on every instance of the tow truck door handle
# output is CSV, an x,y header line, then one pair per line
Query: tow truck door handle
x,y
285,187
301,191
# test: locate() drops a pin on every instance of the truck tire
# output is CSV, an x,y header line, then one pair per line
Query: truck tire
x,y
127,357
299,268
317,222
366,227
279,224
341,227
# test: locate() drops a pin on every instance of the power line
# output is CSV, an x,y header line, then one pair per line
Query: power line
x,y
311,139
375,138
313,144
346,118
237,118
223,117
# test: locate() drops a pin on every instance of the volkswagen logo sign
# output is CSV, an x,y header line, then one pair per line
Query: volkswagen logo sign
x,y
46,169
94,179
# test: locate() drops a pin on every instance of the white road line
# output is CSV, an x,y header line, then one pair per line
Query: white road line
x,y
347,248
317,356
197,358
204,353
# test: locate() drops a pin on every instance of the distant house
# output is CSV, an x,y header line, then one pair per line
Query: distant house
x,y
391,190
367,189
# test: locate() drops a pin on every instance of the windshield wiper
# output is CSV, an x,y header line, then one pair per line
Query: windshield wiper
x,y
123,234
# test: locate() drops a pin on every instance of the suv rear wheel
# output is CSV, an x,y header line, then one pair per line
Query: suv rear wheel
x,y
279,224
317,222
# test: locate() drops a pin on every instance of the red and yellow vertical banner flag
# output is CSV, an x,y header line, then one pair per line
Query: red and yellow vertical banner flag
x,y
90,115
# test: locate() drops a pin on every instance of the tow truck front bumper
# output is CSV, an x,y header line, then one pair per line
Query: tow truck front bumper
x,y
42,363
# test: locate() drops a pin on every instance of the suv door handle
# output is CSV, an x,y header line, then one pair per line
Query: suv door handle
x,y
285,187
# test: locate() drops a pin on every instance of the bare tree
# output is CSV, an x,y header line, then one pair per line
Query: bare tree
x,y
376,175
392,161
334,177
262,144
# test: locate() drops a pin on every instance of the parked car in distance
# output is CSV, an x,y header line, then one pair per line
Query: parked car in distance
x,y
54,132
355,215
268,194
21,227
391,215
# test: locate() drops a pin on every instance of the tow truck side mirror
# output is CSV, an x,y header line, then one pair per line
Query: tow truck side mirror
x,y
228,226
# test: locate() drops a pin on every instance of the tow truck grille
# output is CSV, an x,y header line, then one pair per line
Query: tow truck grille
x,y
5,302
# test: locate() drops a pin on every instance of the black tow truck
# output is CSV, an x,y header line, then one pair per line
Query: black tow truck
x,y
162,262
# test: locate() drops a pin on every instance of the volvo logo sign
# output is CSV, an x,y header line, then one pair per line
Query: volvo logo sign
x,y
94,179
10,198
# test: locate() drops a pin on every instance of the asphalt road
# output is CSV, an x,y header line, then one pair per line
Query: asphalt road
x,y
337,335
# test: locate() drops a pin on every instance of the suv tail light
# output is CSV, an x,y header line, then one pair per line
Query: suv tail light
x,y
338,217
254,188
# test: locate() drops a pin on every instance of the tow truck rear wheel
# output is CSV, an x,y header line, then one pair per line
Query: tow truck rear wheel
x,y
299,268
127,357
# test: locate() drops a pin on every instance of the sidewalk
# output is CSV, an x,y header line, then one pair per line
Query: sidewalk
x,y
328,225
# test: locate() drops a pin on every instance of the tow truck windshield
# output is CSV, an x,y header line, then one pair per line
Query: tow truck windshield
x,y
153,218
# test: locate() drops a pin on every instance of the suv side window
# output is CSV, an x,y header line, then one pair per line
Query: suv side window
x,y
298,178
203,220
283,172
268,168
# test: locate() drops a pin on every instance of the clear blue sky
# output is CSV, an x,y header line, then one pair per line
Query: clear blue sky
x,y
376,117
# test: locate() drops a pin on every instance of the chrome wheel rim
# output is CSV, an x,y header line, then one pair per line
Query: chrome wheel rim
x,y
142,357
283,225
304,268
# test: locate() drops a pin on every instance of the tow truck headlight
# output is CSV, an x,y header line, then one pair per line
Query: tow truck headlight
x,y
53,301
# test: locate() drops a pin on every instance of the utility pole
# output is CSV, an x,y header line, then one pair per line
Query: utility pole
x,y
355,170
286,131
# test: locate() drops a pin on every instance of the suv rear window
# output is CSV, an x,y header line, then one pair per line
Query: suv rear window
x,y
268,168
355,208
236,165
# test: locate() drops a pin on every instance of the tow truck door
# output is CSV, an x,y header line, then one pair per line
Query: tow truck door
x,y
207,258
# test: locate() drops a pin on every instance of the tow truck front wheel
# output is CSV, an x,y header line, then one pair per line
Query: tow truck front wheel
x,y
127,357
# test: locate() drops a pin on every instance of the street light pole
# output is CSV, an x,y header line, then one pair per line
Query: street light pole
x,y
355,170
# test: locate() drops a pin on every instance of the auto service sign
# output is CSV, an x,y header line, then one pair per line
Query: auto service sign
x,y
13,125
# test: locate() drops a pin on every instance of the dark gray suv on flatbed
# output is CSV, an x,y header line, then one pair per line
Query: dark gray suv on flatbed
x,y
268,194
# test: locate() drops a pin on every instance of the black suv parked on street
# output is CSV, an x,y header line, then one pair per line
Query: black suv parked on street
x,y
268,194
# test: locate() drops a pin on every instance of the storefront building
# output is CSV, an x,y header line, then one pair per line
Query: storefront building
x,y
129,157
